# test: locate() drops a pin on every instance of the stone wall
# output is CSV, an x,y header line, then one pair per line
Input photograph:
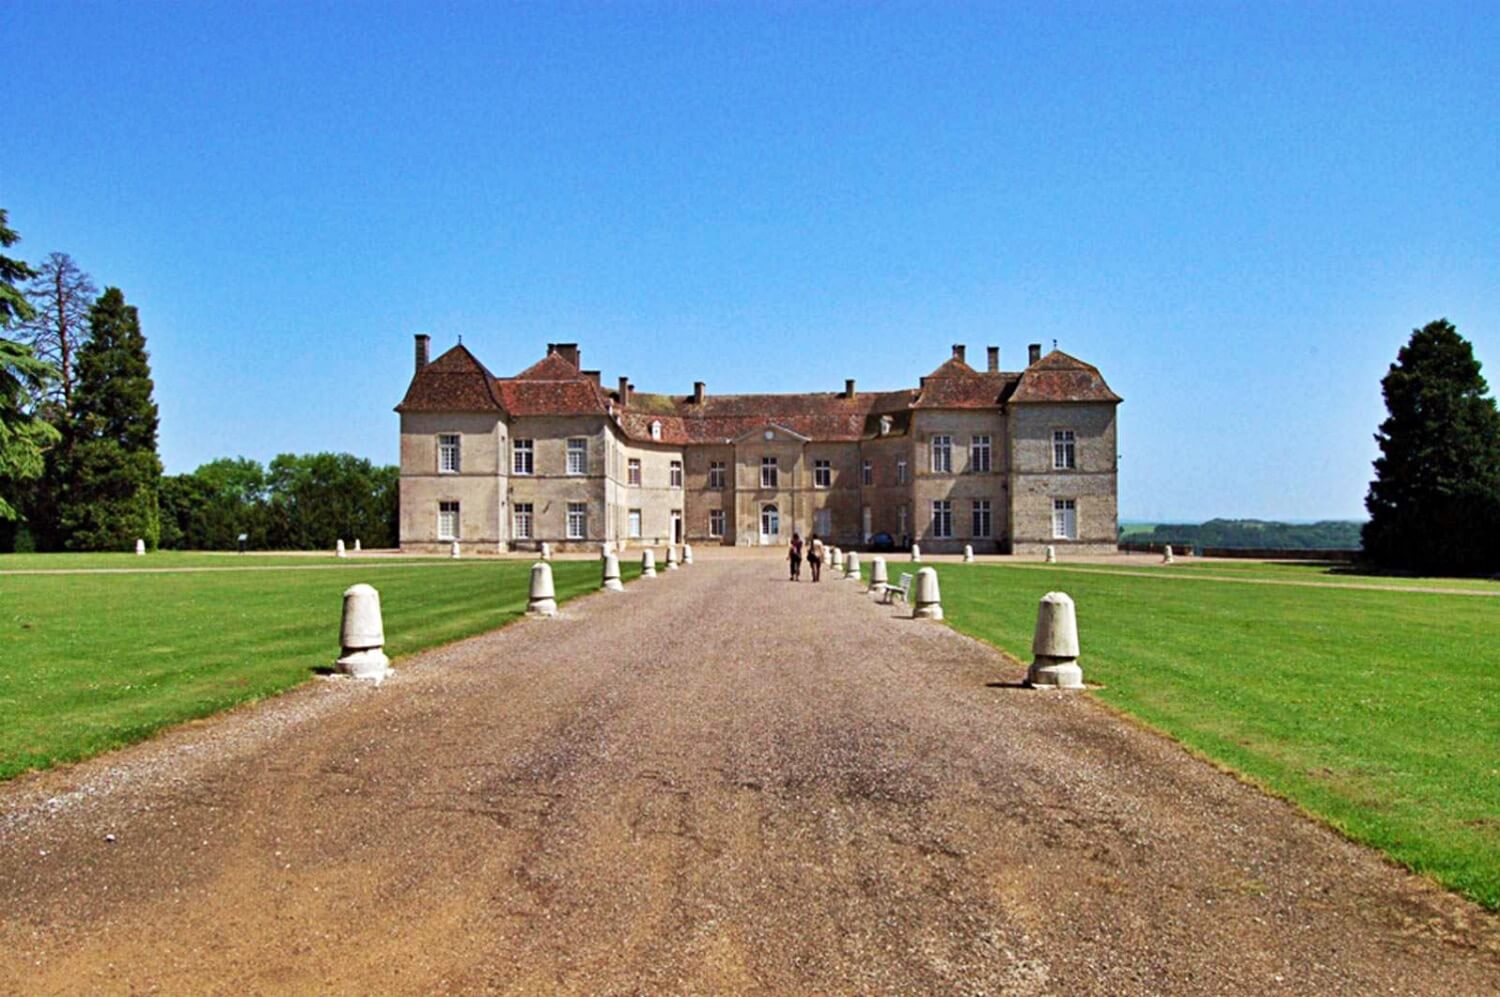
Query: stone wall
x,y
1035,483
478,487
963,485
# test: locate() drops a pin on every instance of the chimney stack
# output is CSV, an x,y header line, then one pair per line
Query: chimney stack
x,y
994,352
958,352
592,375
848,387
568,351
423,342
624,391
1033,353
698,387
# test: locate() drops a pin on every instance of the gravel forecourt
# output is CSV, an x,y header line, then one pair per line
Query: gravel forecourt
x,y
714,781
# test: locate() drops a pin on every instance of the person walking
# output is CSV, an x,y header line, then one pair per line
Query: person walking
x,y
815,557
794,557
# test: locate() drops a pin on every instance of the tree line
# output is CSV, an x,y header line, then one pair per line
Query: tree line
x,y
79,467
1256,533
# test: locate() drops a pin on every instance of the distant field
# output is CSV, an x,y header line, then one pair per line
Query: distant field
x,y
1141,530
94,662
1377,711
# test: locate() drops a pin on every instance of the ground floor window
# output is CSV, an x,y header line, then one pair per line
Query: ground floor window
x,y
633,524
447,521
716,522
578,520
1064,519
942,518
981,518
522,516
770,522
823,522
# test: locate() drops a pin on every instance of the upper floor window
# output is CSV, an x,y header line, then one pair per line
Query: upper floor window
x,y
768,475
578,456
523,453
676,474
942,455
716,474
942,518
979,454
1064,450
822,473
1065,519
900,472
447,524
448,453
656,430
633,471
867,472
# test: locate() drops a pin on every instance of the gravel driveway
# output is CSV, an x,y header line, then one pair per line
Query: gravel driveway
x,y
713,781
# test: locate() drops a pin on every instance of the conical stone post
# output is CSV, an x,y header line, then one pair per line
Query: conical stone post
x,y
140,547
1167,555
338,549
648,563
543,598
455,551
1051,554
1055,644
916,554
546,551
612,573
836,559
851,566
927,604
687,553
362,636
671,557
357,547
968,553
879,580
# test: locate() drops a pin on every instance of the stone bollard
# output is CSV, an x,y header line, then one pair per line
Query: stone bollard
x,y
851,566
916,553
546,551
454,551
878,578
968,553
671,557
648,563
362,636
835,558
927,603
338,549
605,550
357,547
1167,555
1055,644
543,598
140,548
687,553
612,573
1051,554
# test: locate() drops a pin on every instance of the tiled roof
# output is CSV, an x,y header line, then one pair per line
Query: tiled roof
x,y
1058,377
957,385
454,382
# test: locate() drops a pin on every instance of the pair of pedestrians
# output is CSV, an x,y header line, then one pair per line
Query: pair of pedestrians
x,y
794,553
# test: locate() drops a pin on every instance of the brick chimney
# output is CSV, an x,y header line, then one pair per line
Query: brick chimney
x,y
624,391
698,387
568,351
958,352
849,387
994,352
592,375
424,342
1033,353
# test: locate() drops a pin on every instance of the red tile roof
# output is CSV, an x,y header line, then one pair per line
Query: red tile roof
x,y
454,382
1058,377
957,385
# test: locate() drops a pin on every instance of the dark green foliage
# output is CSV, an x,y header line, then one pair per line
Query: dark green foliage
x,y
1435,501
1256,533
24,436
13,304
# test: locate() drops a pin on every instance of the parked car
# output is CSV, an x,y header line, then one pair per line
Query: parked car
x,y
882,542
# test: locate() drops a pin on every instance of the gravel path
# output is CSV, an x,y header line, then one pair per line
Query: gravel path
x,y
713,781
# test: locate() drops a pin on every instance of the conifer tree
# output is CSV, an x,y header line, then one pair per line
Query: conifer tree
x,y
114,472
24,436
1435,502
62,295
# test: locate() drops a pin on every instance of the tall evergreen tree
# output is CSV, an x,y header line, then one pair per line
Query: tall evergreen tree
x,y
24,436
62,295
114,471
1435,502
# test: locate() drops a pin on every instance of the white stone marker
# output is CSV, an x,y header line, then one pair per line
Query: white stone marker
x,y
687,553
648,563
612,573
1167,555
357,547
671,557
1055,644
543,598
968,553
140,547
916,553
1051,554
362,636
546,551
851,566
605,550
338,549
878,578
928,602
454,551
836,559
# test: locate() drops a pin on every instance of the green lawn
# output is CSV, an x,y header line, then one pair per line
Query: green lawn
x,y
94,662
1377,711
191,559
1320,572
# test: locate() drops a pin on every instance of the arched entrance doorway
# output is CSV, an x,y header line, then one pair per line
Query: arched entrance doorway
x,y
770,524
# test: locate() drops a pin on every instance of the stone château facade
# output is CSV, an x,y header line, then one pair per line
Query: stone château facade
x,y
1005,461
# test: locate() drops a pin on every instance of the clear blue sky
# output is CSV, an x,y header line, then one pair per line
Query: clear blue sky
x,y
1238,211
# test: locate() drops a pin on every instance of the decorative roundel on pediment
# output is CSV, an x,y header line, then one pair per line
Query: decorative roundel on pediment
x,y
770,434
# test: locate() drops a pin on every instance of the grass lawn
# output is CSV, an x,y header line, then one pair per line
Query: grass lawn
x,y
94,662
1377,711
1320,572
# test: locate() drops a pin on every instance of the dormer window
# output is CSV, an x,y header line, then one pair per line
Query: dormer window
x,y
656,430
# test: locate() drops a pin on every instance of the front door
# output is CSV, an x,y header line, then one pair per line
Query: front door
x,y
676,527
770,525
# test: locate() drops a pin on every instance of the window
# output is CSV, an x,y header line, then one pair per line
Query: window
x,y
867,472
656,430
1065,519
522,516
979,454
942,455
768,472
900,472
981,518
676,474
447,520
634,528
1064,451
578,456
716,474
770,522
522,454
633,472
942,518
823,522
448,458
822,473
716,522
578,520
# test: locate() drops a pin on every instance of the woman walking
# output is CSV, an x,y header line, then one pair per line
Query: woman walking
x,y
794,556
815,557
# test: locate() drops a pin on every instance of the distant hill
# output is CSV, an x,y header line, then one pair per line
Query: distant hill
x,y
1329,534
